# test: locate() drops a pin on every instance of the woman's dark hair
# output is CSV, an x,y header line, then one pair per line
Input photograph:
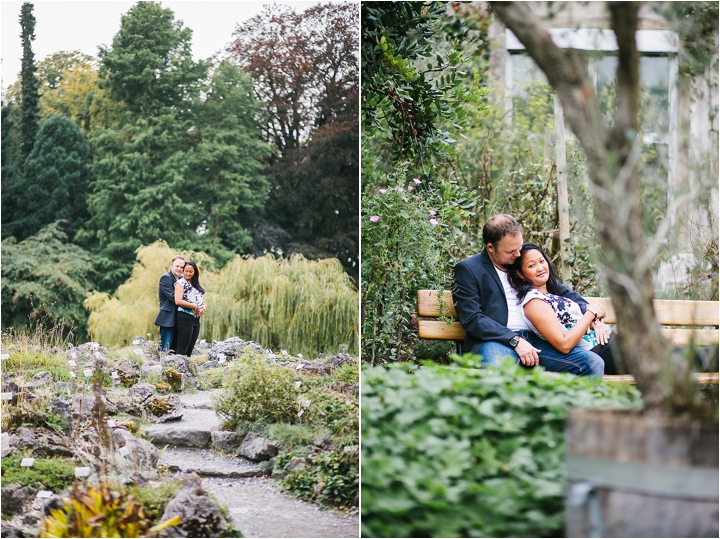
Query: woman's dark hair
x,y
521,286
195,281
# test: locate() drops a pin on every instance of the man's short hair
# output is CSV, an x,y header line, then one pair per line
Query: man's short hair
x,y
176,257
499,226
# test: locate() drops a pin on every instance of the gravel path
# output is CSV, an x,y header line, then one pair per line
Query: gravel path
x,y
257,507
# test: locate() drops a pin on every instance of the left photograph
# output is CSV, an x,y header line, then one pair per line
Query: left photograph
x,y
180,268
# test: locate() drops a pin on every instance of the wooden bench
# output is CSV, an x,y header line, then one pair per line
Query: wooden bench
x,y
682,321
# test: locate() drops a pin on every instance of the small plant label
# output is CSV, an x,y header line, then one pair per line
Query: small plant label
x,y
136,341
298,384
6,396
221,357
44,494
73,354
114,374
98,355
271,355
72,363
27,462
82,472
73,375
300,366
138,351
124,451
111,423
87,373
4,357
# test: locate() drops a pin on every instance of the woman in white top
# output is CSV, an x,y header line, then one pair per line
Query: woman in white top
x,y
557,319
188,298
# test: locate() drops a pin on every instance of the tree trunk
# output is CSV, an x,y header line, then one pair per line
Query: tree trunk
x,y
612,159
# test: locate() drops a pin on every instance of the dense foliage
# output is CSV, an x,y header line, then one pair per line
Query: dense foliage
x,y
46,277
304,66
57,172
450,451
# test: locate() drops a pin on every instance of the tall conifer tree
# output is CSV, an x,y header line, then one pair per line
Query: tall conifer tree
x,y
30,83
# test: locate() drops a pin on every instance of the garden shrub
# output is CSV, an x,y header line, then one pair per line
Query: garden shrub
x,y
30,413
55,474
335,411
348,373
255,391
449,451
100,512
336,470
154,497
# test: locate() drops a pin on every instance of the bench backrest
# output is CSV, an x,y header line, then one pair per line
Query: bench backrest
x,y
698,319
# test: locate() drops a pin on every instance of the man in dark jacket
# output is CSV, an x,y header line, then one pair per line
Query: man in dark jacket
x,y
168,310
487,307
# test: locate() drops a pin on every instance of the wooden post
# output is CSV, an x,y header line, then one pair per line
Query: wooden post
x,y
562,193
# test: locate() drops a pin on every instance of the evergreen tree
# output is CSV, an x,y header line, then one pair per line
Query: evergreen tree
x,y
44,276
55,179
141,159
30,83
11,150
226,180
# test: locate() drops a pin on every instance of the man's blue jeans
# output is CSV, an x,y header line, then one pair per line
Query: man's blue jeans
x,y
579,361
166,337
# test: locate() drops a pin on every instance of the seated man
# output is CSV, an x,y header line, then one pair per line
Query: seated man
x,y
487,308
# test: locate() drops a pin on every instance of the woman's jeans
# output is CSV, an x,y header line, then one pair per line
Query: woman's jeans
x,y
579,361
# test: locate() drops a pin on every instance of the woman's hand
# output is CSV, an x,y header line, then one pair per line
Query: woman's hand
x,y
602,333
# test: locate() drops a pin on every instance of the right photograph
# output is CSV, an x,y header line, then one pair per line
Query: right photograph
x,y
539,269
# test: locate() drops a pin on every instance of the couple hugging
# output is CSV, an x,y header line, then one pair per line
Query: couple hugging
x,y
511,303
181,306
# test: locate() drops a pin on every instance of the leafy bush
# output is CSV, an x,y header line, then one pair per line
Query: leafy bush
x,y
335,411
255,391
154,498
336,471
449,451
32,413
55,474
348,373
100,512
296,438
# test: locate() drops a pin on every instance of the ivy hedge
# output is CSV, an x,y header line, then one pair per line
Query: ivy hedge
x,y
451,451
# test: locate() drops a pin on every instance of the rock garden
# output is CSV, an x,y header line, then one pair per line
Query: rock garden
x,y
234,441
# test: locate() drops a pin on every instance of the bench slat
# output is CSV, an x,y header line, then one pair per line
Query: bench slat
x,y
668,312
702,378
428,304
438,330
671,312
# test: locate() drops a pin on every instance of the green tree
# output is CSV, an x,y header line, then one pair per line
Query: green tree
x,y
141,158
11,165
44,276
30,83
55,180
225,176
409,85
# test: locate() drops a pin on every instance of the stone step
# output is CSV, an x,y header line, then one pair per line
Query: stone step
x,y
178,436
209,464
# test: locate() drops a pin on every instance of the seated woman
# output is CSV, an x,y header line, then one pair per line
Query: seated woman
x,y
557,319
188,298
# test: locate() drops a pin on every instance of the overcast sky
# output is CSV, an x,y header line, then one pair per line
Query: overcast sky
x,y
63,25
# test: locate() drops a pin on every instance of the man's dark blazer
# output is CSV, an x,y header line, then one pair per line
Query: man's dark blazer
x,y
481,304
168,309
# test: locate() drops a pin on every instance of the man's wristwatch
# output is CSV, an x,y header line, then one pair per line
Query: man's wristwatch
x,y
514,342
592,311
